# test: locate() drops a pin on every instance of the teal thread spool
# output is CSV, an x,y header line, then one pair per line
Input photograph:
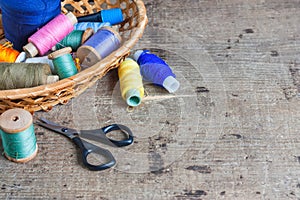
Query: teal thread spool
x,y
63,63
18,138
74,39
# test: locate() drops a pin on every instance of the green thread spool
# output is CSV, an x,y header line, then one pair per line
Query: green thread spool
x,y
63,63
18,138
74,39
25,75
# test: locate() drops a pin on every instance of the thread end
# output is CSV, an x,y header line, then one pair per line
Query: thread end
x,y
126,59
21,57
30,50
133,97
137,55
52,79
171,84
72,18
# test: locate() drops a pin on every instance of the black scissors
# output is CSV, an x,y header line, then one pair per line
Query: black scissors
x,y
98,135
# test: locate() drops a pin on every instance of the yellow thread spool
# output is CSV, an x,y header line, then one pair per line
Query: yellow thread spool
x,y
131,84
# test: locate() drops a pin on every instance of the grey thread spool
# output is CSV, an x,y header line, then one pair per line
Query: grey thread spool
x,y
25,75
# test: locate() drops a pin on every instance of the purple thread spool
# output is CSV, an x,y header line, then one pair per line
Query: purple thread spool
x,y
156,70
101,44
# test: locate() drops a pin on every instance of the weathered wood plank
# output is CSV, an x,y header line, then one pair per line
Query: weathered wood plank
x,y
231,132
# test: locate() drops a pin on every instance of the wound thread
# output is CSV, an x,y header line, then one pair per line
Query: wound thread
x,y
22,18
63,63
24,75
156,70
72,40
18,137
44,60
8,54
93,25
50,34
131,84
101,44
113,16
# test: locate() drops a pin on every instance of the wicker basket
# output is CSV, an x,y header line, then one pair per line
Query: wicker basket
x,y
46,96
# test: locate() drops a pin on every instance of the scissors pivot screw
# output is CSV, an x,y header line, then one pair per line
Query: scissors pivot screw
x,y
64,130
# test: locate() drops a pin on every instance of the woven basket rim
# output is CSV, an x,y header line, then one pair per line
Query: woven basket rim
x,y
137,33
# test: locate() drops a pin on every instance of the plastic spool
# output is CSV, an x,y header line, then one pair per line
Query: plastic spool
x,y
131,84
156,70
113,16
21,57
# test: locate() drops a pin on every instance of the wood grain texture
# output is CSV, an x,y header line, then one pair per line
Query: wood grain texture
x,y
230,132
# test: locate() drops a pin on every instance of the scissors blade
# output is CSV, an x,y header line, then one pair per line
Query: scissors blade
x,y
46,121
96,135
68,132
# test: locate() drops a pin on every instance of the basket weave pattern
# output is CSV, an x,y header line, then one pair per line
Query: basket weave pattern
x,y
46,96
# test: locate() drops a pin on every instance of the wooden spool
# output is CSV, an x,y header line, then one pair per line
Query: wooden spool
x,y
15,121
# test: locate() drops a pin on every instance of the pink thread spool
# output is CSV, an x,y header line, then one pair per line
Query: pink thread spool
x,y
50,34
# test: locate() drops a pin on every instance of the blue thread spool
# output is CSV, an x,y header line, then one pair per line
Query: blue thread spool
x,y
18,138
112,16
22,18
101,44
156,70
94,25
63,63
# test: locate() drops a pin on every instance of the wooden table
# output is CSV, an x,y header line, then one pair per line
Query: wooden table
x,y
230,132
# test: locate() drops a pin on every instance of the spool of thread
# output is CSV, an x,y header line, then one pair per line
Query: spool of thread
x,y
93,25
101,44
112,16
43,59
8,54
18,137
156,70
74,39
22,18
25,75
63,63
50,34
131,84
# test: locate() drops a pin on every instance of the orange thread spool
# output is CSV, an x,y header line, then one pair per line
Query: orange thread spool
x,y
7,53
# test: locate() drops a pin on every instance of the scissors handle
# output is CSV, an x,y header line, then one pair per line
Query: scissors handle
x,y
85,151
125,131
